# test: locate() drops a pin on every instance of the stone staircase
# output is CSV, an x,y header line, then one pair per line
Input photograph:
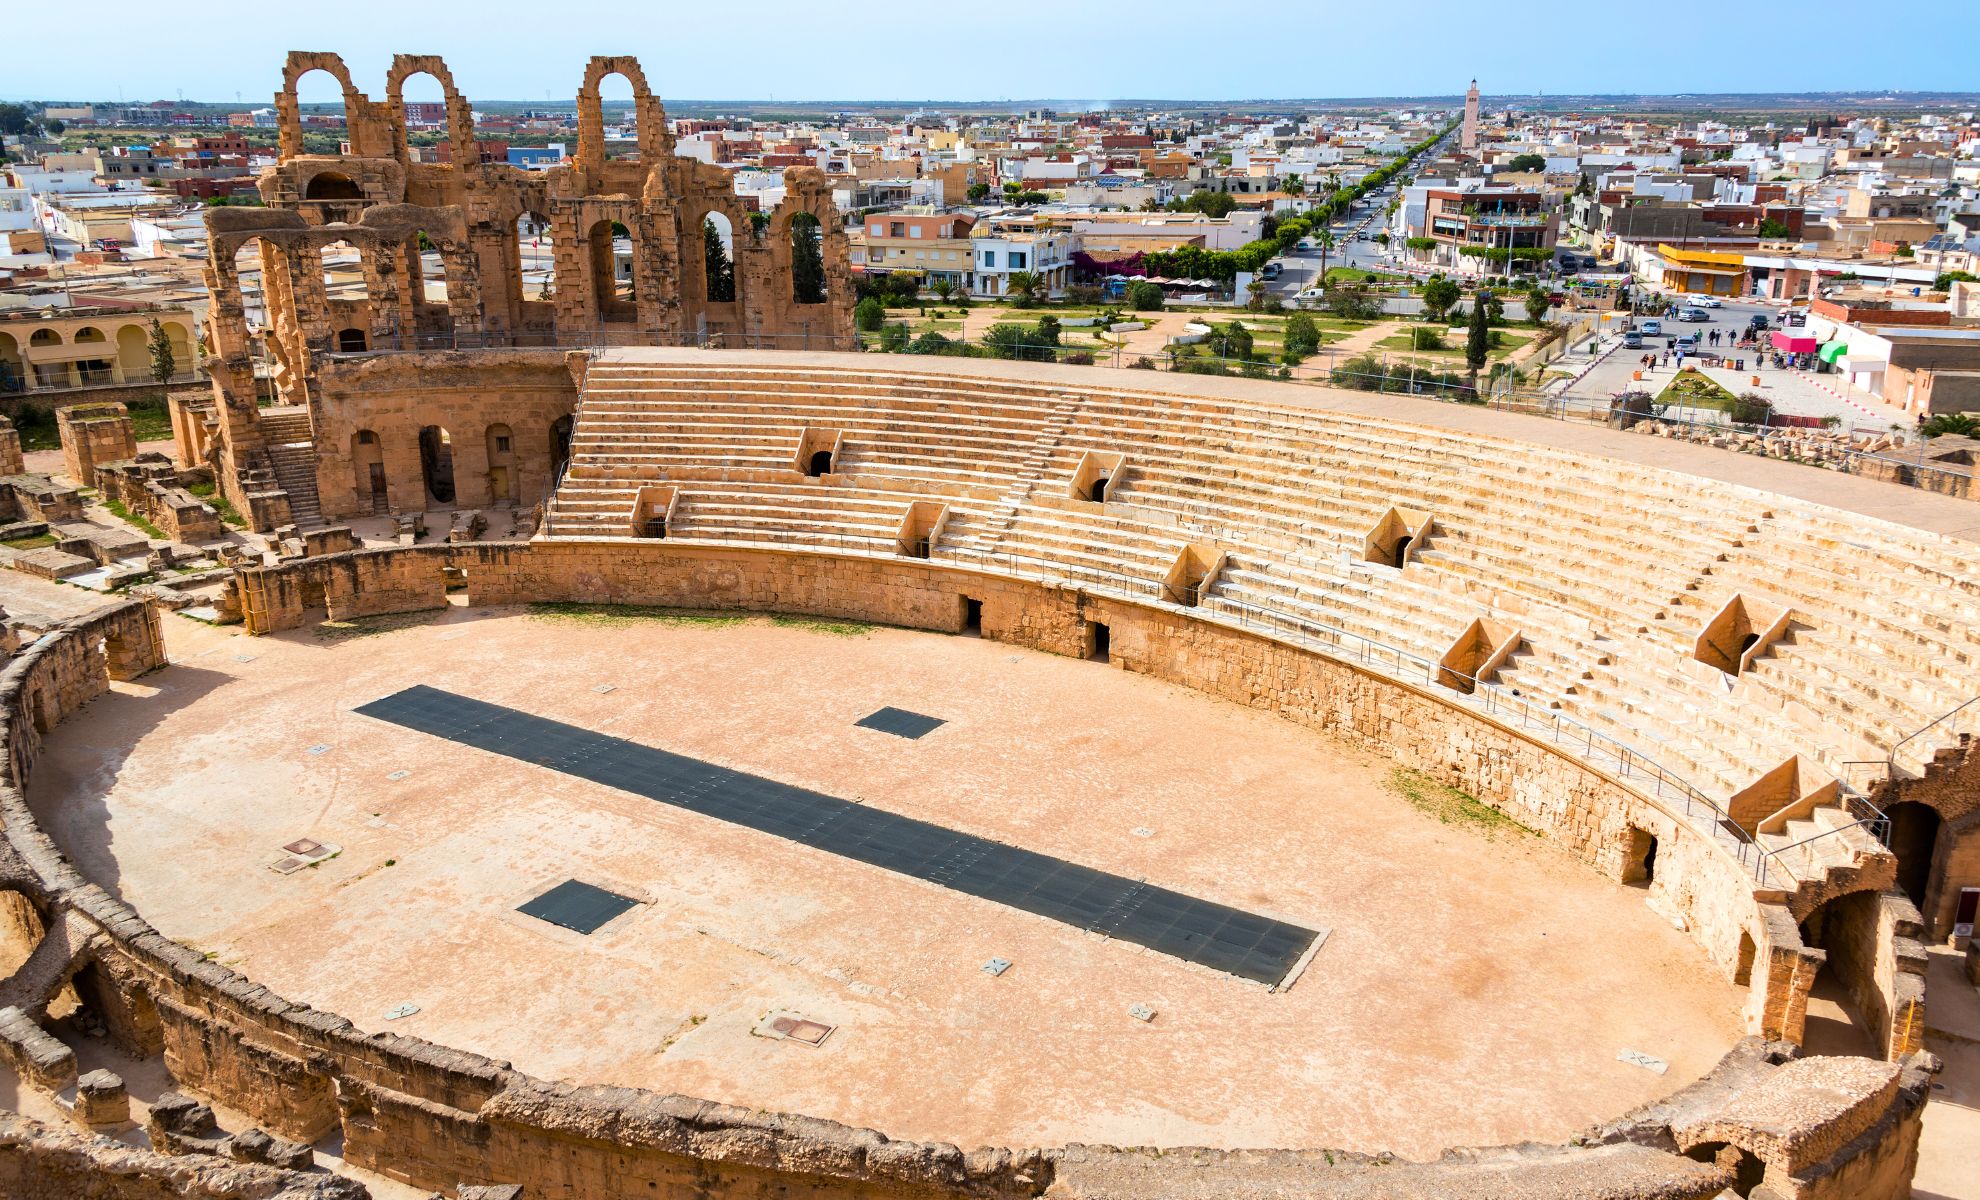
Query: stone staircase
x,y
292,455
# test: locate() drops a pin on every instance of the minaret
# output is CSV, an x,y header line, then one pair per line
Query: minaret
x,y
1468,136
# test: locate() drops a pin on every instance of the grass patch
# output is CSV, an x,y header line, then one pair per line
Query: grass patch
x,y
229,515
1362,275
1693,389
125,515
848,629
33,541
360,627
1452,806
632,614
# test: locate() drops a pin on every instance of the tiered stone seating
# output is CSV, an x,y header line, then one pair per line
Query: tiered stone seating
x,y
1608,570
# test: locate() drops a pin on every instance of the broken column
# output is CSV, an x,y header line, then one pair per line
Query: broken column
x,y
101,1100
93,434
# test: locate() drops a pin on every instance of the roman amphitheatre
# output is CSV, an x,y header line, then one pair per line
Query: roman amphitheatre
x,y
653,749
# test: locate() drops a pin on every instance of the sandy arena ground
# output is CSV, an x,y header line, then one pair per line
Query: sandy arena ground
x,y
1474,989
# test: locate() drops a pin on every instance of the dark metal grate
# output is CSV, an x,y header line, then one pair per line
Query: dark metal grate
x,y
1215,935
578,906
901,722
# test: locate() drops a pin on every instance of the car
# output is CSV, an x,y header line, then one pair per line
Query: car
x,y
1693,316
1312,293
1757,321
1272,270
1653,327
1709,302
1632,339
1688,344
1794,318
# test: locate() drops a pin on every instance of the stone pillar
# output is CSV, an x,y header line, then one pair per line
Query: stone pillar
x,y
101,1101
10,449
93,434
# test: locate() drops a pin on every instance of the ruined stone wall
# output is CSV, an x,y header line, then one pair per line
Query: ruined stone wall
x,y
92,434
435,1117
523,393
40,1162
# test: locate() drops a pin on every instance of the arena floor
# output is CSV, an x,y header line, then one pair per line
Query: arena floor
x,y
1426,1019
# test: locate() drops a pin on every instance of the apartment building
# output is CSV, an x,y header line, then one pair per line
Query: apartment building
x,y
936,244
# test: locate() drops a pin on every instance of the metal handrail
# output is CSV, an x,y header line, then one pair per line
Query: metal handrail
x,y
1891,759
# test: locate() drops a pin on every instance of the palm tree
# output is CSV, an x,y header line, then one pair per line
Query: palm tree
x,y
942,287
1025,285
1324,240
1293,185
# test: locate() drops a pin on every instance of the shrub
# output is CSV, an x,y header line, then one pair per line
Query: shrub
x,y
1143,363
1751,408
1421,338
1302,334
1081,358
1144,296
869,314
1958,424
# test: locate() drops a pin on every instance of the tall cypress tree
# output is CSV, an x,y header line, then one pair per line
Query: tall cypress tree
x,y
721,271
807,260
1478,340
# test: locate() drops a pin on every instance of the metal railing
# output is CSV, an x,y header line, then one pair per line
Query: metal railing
x,y
1949,719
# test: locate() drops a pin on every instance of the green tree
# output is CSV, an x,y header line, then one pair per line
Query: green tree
x,y
1478,339
1293,185
721,273
1302,335
1945,281
17,120
1439,295
943,287
1233,340
1527,162
869,314
1770,228
1144,296
807,260
1537,304
1326,243
978,192
1960,424
164,363
1025,286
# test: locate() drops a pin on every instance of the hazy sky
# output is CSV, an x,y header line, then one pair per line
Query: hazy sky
x,y
1005,49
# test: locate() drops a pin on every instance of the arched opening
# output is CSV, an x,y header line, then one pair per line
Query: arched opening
x,y
97,369
134,354
38,713
436,464
503,485
329,185
1747,1169
972,617
429,270
1845,929
44,337
1402,552
807,260
423,105
1098,492
560,445
1099,642
1743,968
536,258
1640,857
368,472
820,463
611,246
343,272
718,240
620,111
13,365
1914,837
250,277
353,341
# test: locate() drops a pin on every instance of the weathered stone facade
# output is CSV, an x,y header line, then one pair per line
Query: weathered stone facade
x,y
390,210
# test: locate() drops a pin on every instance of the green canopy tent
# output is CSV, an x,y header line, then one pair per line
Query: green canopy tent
x,y
1831,351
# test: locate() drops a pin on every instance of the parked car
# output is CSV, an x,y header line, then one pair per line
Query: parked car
x,y
1757,321
1652,328
1693,316
1632,339
1312,293
1794,318
1272,270
1688,344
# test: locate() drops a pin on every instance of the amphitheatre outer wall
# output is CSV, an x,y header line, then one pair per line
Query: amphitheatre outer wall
x,y
436,1117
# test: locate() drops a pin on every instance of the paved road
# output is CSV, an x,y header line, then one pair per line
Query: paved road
x,y
1792,392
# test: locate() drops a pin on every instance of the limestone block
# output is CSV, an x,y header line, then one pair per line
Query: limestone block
x,y
102,1100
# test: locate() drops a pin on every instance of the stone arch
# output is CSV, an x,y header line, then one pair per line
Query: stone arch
x,y
460,114
655,142
331,256
699,287
1914,840
332,185
426,267
288,109
45,337
612,304
536,261
801,239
